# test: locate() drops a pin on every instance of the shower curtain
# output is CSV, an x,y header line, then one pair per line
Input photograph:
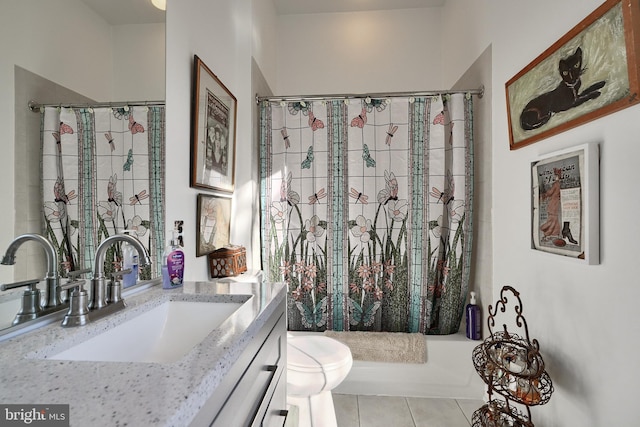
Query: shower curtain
x,y
367,211
103,173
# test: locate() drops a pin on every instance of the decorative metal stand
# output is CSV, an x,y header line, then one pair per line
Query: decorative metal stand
x,y
513,369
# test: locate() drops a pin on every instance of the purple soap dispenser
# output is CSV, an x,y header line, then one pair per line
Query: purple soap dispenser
x,y
474,325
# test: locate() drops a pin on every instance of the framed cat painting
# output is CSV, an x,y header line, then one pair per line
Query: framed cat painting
x,y
591,71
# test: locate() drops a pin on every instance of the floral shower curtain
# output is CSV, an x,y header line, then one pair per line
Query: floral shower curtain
x,y
367,211
103,172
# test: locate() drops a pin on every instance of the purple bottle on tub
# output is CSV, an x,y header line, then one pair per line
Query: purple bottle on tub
x,y
474,323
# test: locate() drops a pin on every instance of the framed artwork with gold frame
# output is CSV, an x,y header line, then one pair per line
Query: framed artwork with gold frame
x,y
213,131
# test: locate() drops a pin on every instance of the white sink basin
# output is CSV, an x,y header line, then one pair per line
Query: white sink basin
x,y
8,309
163,334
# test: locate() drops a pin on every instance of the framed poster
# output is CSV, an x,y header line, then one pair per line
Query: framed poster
x,y
591,71
213,224
565,203
213,131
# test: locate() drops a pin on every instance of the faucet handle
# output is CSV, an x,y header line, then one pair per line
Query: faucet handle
x,y
118,274
71,276
77,273
31,283
73,284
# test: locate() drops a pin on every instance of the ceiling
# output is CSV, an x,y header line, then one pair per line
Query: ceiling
x,y
290,7
122,12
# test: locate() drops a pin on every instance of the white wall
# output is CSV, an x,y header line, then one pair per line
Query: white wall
x,y
139,50
581,315
64,42
33,36
465,35
264,39
94,75
350,52
219,32
263,79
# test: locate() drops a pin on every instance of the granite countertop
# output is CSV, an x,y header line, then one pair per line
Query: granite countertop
x,y
135,394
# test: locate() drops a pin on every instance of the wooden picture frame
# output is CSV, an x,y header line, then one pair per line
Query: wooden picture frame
x,y
565,203
213,223
541,102
213,131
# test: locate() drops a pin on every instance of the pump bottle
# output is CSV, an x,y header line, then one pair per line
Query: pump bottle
x,y
474,324
172,264
129,260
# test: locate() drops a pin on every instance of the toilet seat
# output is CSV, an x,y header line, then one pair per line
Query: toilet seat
x,y
310,354
315,366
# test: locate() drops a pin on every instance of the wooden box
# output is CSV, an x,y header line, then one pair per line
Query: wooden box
x,y
228,261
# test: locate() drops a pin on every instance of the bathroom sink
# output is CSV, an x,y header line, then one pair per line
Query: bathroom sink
x,y
162,334
8,309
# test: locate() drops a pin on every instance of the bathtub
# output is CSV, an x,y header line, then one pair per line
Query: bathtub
x,y
448,372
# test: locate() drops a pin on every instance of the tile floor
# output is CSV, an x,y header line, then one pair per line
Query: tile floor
x,y
385,411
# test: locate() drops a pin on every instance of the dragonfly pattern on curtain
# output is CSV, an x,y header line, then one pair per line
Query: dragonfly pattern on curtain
x,y
367,211
103,173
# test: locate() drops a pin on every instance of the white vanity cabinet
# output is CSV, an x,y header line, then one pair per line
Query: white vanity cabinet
x,y
253,393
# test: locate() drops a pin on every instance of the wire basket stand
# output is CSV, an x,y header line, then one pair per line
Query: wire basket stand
x,y
511,366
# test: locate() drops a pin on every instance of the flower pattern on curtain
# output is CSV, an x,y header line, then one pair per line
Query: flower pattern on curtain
x,y
103,172
367,211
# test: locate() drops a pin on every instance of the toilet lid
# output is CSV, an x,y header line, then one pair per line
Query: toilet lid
x,y
309,353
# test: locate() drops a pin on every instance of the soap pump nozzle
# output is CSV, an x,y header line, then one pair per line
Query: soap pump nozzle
x,y
174,238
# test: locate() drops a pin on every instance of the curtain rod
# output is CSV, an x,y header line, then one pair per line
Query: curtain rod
x,y
35,107
479,92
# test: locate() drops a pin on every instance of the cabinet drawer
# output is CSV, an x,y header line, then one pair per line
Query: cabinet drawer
x,y
243,404
274,414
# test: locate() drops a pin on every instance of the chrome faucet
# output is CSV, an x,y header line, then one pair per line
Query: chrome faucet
x,y
83,309
98,283
52,278
31,307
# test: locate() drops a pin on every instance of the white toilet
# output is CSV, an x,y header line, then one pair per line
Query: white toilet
x,y
315,366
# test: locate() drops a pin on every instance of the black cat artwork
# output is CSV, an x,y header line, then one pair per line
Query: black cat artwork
x,y
565,96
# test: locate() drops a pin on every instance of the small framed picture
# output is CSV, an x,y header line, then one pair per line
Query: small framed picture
x,y
213,131
213,223
565,203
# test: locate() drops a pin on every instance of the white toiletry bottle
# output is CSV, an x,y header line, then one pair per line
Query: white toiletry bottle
x,y
129,260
